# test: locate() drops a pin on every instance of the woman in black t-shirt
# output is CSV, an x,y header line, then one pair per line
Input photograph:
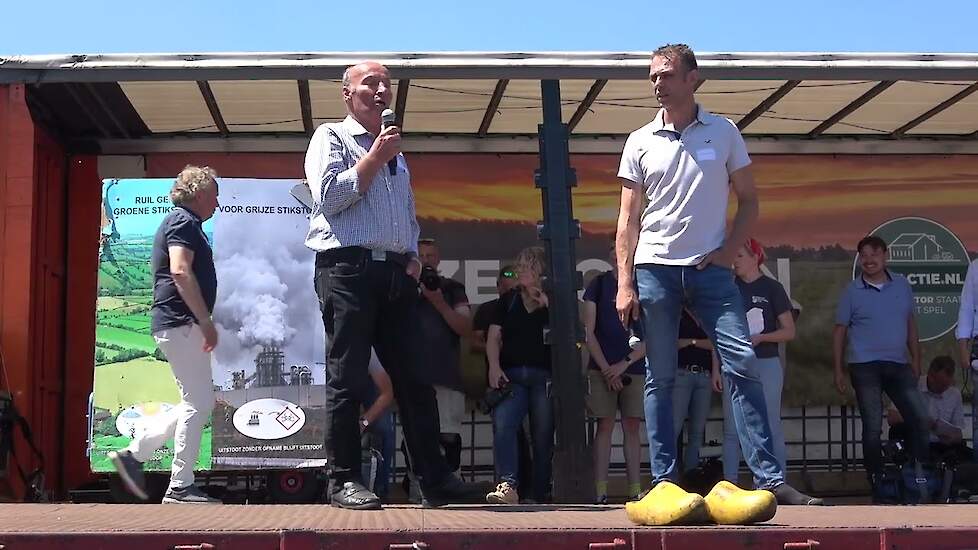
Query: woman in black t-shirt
x,y
771,322
519,364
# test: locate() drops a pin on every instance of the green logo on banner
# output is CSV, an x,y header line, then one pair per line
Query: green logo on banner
x,y
934,262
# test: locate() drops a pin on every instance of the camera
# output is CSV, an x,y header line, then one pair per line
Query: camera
x,y
430,278
492,398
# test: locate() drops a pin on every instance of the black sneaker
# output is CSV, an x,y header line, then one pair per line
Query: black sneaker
x,y
188,495
354,496
451,490
130,472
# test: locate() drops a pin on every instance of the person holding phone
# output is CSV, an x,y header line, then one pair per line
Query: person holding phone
x,y
519,358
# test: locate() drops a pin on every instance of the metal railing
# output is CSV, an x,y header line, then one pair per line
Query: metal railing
x,y
818,439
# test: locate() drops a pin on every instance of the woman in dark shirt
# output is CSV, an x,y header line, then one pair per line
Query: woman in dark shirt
x,y
519,362
771,322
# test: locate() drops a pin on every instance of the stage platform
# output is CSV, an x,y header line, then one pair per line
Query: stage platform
x,y
473,527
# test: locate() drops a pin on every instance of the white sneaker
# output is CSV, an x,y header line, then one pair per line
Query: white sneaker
x,y
505,493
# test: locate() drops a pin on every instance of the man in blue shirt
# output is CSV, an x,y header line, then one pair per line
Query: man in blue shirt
x,y
875,317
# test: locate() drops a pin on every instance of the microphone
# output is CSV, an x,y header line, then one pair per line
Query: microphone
x,y
386,121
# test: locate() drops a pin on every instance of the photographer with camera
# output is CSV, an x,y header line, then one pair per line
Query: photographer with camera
x,y
616,375
444,316
519,359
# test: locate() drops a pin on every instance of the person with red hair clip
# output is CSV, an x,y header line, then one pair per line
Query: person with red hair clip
x,y
771,322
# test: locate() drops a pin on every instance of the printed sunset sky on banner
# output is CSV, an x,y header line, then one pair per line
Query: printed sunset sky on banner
x,y
806,201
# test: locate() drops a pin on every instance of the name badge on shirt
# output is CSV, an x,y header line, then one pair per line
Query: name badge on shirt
x,y
706,154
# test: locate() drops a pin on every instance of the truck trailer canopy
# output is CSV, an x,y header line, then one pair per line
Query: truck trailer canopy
x,y
491,102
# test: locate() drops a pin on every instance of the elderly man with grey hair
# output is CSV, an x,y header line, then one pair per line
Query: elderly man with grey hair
x,y
184,292
365,234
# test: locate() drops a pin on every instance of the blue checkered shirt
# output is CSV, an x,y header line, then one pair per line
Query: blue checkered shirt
x,y
381,219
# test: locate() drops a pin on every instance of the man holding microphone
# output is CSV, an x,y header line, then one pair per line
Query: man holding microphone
x,y
364,231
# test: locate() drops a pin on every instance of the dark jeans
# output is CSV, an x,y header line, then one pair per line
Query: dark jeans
x,y
870,380
367,303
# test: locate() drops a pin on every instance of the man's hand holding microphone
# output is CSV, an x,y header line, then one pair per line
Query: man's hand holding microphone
x,y
384,150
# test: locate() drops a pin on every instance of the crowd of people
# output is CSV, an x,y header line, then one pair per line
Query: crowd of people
x,y
685,313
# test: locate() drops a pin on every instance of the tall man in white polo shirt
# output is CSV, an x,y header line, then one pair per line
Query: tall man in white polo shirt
x,y
966,332
681,168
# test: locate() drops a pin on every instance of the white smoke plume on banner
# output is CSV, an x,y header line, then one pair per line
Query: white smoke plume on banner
x,y
265,282
254,307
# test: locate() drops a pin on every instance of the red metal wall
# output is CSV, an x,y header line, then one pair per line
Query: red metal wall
x,y
84,195
32,280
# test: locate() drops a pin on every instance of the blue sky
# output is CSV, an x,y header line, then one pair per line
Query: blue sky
x,y
62,26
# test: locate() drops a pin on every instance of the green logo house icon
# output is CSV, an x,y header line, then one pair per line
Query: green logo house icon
x,y
934,261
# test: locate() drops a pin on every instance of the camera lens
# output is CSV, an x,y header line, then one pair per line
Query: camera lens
x,y
429,278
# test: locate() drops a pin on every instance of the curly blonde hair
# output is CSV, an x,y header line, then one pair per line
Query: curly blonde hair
x,y
531,258
191,181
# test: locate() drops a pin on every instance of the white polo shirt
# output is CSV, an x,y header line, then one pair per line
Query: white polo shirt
x,y
686,179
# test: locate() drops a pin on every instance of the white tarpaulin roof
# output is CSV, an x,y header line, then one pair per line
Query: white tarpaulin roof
x,y
115,98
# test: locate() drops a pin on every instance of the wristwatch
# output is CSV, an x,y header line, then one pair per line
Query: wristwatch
x,y
364,423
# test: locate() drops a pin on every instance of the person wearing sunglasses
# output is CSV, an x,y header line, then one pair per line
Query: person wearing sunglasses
x,y
519,359
505,282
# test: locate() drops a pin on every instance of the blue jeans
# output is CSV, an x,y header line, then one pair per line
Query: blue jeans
x,y
383,430
714,298
772,380
691,398
870,380
529,395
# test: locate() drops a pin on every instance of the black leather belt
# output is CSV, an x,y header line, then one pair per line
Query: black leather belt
x,y
356,254
695,369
